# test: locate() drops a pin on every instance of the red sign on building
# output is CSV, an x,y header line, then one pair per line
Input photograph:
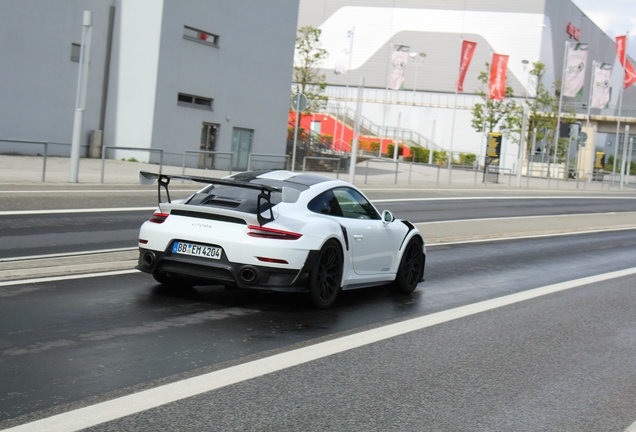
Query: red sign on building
x,y
573,32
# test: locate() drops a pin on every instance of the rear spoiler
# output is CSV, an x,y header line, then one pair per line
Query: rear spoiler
x,y
163,180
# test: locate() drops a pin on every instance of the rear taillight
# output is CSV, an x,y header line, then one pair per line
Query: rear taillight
x,y
270,233
159,217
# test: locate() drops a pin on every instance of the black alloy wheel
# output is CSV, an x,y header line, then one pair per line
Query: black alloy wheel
x,y
411,268
326,275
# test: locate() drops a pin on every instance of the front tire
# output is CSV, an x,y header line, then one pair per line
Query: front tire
x,y
411,268
326,275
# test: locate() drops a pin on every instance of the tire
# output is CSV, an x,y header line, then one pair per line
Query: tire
x,y
411,268
326,275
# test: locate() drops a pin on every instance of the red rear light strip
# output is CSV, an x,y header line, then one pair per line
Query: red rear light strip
x,y
272,260
159,217
270,233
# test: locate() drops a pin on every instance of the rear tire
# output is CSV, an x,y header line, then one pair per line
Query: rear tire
x,y
411,268
326,275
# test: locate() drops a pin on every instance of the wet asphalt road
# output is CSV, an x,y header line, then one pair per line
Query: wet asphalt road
x,y
563,362
65,343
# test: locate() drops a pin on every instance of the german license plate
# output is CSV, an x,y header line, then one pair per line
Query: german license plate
x,y
196,250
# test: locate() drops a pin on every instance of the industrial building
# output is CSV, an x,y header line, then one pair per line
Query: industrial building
x,y
427,106
168,75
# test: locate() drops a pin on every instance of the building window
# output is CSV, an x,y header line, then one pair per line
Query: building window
x,y
196,35
194,101
75,52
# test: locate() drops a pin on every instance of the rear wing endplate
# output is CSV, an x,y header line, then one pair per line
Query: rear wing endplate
x,y
163,180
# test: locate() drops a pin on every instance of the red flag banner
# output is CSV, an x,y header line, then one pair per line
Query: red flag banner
x,y
620,48
630,74
497,85
468,49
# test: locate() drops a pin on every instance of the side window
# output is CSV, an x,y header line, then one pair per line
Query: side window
x,y
354,205
325,203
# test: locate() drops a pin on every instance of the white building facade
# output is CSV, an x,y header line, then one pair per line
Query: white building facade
x,y
527,31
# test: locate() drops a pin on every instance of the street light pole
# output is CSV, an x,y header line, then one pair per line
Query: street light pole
x,y
80,99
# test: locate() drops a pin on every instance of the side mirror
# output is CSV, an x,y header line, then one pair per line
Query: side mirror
x,y
387,217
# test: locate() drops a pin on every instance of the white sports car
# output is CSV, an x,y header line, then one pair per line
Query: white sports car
x,y
279,231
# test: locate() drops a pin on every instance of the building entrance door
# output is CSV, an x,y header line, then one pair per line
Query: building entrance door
x,y
241,147
209,133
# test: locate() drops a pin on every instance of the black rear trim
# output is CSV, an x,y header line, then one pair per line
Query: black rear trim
x,y
201,215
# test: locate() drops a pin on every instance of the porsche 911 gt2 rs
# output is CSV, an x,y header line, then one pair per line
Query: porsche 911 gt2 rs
x,y
279,231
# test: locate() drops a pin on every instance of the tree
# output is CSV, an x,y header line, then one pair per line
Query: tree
x,y
307,76
494,115
542,109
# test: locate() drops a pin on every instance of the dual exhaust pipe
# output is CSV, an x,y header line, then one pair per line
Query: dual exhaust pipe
x,y
247,275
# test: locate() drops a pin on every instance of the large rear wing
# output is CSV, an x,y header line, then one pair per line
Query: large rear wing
x,y
163,180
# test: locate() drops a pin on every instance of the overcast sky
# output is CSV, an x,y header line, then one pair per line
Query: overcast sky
x,y
615,17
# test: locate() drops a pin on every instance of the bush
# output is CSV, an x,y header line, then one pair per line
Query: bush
x,y
467,158
419,155
390,147
440,157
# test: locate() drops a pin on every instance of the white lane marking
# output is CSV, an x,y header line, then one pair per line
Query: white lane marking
x,y
631,428
468,198
518,217
67,211
529,236
144,400
67,277
66,254
93,191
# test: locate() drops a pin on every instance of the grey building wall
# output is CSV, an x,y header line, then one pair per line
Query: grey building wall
x,y
248,76
38,80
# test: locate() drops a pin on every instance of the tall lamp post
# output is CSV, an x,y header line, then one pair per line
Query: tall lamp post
x,y
418,57
80,100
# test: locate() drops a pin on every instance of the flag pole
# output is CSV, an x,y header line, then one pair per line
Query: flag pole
x,y
587,125
450,150
484,147
620,110
558,125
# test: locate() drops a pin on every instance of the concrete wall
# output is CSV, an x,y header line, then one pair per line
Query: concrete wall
x,y
248,75
38,80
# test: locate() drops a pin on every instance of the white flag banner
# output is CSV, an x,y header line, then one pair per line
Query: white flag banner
x,y
399,59
575,70
343,57
601,85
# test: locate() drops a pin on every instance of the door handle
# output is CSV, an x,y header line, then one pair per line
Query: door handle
x,y
358,236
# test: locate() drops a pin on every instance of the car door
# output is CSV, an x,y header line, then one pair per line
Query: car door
x,y
373,244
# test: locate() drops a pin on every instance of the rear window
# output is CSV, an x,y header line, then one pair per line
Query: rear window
x,y
239,198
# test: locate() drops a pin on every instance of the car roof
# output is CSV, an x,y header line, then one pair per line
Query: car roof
x,y
301,179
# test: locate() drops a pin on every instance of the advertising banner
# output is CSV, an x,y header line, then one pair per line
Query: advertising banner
x,y
468,49
399,59
493,155
575,70
601,85
497,85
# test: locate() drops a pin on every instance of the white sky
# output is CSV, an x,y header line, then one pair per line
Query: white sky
x,y
615,17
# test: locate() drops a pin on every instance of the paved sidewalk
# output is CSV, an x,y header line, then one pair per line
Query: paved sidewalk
x,y
15,170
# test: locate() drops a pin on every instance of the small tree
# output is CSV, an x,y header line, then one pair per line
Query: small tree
x,y
307,76
494,115
542,107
